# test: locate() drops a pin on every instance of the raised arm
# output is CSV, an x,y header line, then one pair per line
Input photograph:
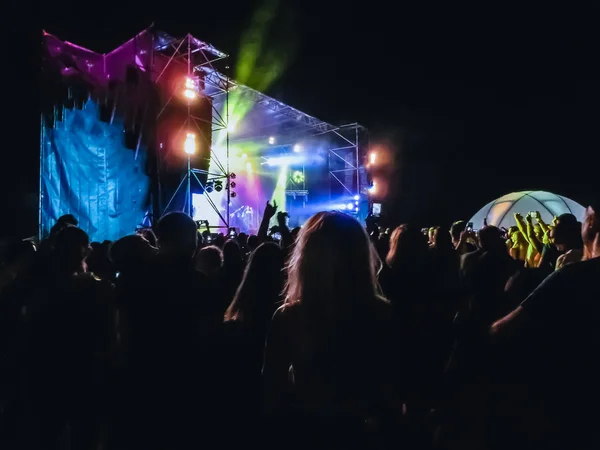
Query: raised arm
x,y
531,237
263,230
543,225
521,225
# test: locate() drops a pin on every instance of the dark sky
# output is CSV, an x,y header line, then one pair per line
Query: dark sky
x,y
478,100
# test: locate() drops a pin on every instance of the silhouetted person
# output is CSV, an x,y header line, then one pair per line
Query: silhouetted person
x,y
485,273
99,263
176,320
566,236
70,347
231,272
334,331
246,323
421,324
457,231
209,261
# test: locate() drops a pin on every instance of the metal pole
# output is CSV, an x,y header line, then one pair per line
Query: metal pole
x,y
329,170
40,198
188,197
189,187
158,201
304,186
227,208
357,166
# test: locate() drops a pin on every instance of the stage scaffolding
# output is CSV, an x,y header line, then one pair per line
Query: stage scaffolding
x,y
199,58
347,161
348,144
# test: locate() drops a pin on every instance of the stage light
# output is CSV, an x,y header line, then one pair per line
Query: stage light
x,y
190,144
343,207
233,195
232,185
218,186
356,209
297,148
230,128
373,158
271,140
232,176
190,83
298,177
191,86
357,197
349,206
209,187
356,203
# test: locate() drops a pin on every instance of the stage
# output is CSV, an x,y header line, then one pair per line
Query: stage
x,y
157,125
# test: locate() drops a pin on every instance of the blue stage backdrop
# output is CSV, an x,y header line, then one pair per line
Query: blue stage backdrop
x,y
87,171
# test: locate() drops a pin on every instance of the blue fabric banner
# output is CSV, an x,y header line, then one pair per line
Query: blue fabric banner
x,y
87,171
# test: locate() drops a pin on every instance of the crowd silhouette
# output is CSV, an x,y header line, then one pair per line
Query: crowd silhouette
x,y
335,336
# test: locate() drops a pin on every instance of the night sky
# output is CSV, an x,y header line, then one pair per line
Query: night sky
x,y
476,100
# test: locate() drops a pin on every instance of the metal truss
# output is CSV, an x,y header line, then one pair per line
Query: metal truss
x,y
346,160
199,58
281,108
222,84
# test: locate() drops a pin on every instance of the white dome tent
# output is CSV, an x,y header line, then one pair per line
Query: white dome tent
x,y
500,212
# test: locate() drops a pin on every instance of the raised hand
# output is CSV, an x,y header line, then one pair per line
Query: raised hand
x,y
537,216
270,210
281,216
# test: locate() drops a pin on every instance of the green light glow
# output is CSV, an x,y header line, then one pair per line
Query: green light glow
x,y
298,177
279,193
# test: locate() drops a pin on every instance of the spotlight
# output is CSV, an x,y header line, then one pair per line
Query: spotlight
x,y
233,195
271,140
209,187
349,206
232,185
356,203
232,176
218,186
190,83
343,207
297,148
373,157
191,86
190,144
298,177
357,197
